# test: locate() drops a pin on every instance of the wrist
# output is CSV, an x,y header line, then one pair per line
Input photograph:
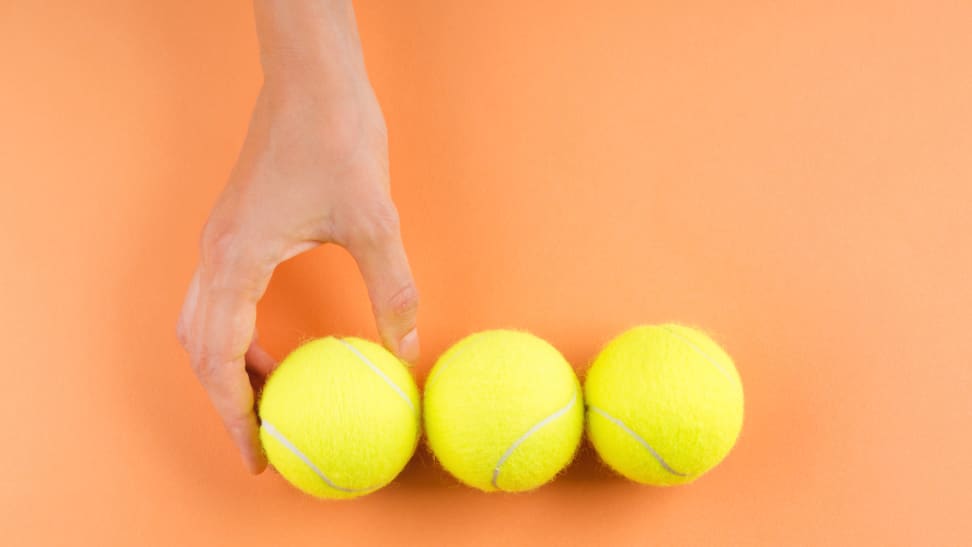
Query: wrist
x,y
310,44
311,79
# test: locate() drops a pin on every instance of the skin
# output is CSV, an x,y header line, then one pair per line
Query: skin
x,y
313,170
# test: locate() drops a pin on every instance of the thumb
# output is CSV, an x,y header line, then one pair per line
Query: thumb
x,y
394,297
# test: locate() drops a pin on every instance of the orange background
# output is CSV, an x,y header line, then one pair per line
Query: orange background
x,y
796,178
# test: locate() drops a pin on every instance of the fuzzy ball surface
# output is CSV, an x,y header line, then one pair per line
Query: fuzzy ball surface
x,y
339,417
665,404
503,411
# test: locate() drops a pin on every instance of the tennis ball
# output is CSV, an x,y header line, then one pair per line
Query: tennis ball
x,y
503,411
665,404
340,417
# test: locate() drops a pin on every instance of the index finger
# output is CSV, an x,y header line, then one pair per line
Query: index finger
x,y
217,327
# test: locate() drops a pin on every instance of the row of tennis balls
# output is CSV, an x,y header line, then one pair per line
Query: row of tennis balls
x,y
503,410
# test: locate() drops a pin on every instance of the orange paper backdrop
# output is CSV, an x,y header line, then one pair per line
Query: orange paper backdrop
x,y
794,177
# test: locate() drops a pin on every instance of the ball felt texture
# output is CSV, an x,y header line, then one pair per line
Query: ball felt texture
x,y
339,417
503,411
665,404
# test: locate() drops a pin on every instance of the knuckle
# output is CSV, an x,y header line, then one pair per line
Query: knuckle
x,y
245,262
200,369
404,302
206,368
241,427
238,425
182,333
222,245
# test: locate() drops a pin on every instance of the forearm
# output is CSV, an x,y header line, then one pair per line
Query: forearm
x,y
310,40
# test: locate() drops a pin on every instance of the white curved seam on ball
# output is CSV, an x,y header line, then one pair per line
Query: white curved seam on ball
x,y
638,438
525,436
699,350
364,359
276,434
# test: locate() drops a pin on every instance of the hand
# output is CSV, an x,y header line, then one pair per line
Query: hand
x,y
313,170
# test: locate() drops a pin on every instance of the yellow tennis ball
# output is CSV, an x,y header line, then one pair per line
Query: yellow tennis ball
x,y
339,417
503,411
664,404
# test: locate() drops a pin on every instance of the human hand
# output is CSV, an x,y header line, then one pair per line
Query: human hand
x,y
313,170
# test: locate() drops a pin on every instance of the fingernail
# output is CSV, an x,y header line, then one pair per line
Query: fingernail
x,y
408,346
